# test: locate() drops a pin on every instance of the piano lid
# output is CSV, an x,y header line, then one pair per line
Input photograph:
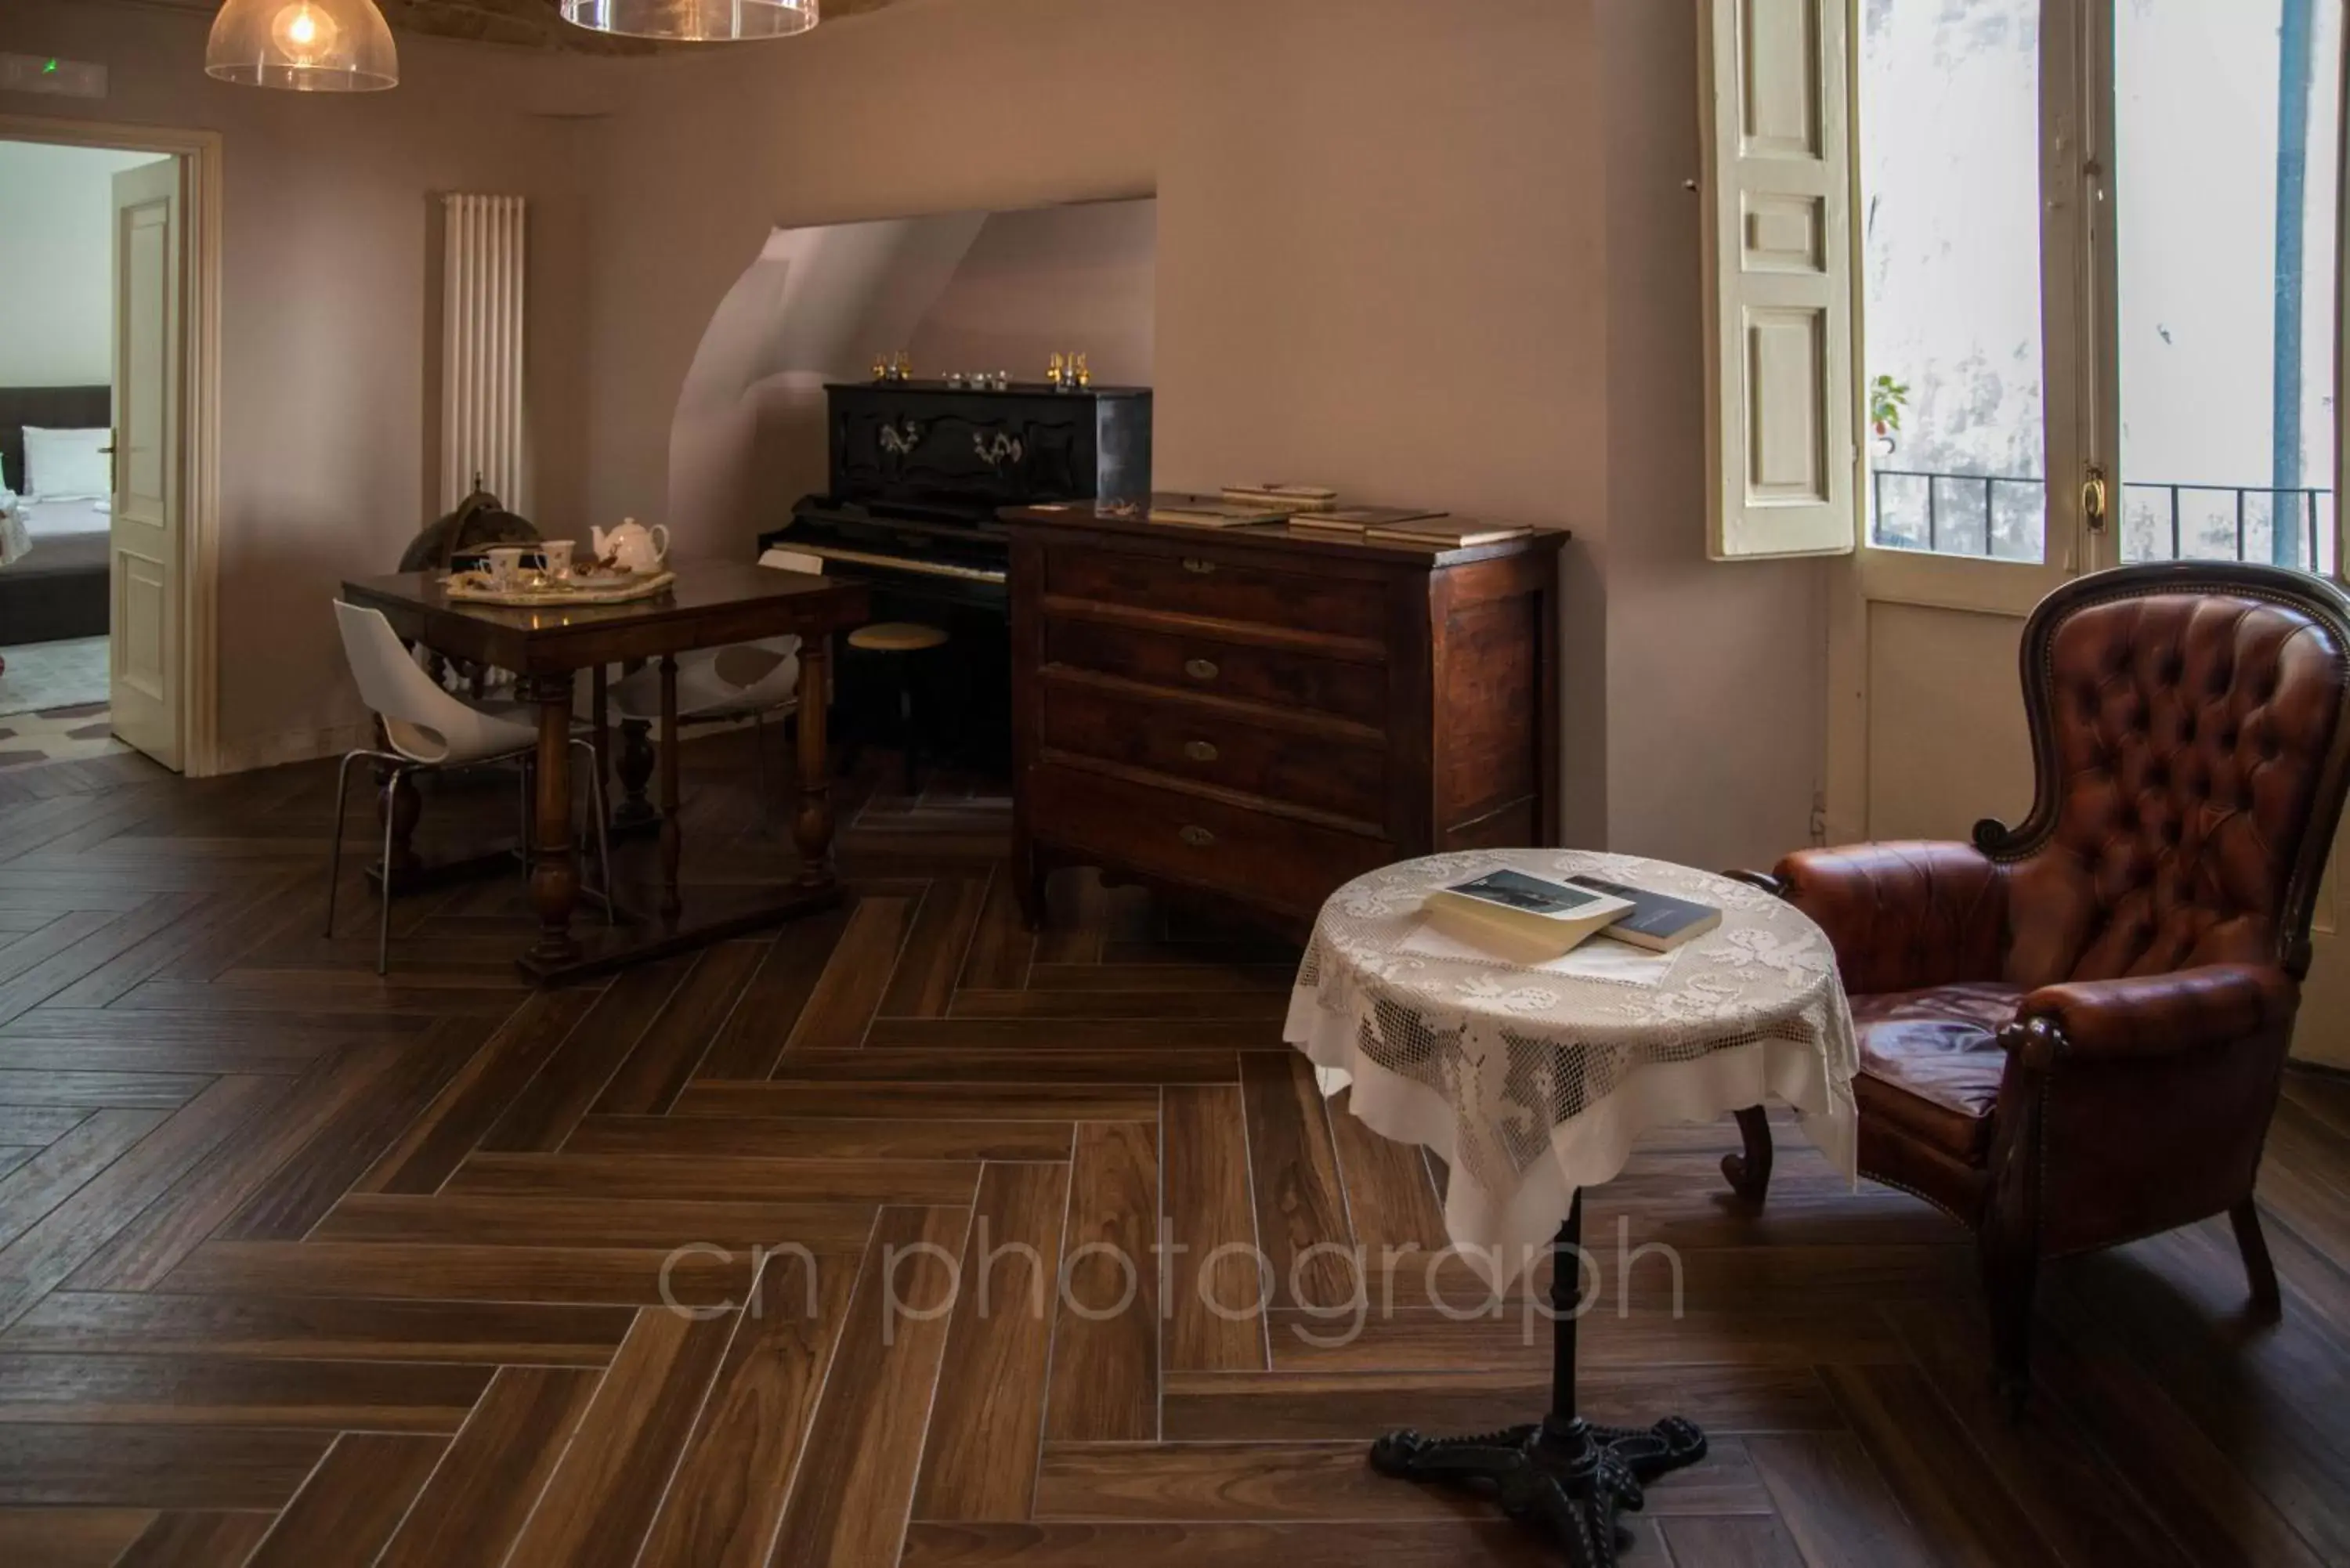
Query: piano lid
x,y
1011,389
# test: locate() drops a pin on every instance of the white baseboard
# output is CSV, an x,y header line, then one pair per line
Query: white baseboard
x,y
246,753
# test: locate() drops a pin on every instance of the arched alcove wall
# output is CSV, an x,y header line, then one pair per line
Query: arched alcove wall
x,y
958,291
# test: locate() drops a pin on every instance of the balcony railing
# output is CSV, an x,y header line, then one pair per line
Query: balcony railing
x,y
1964,513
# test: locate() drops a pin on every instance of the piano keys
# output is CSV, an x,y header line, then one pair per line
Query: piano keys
x,y
892,564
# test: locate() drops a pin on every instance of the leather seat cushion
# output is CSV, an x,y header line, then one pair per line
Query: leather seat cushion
x,y
1930,1063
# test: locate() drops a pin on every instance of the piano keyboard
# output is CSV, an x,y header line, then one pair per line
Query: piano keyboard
x,y
885,563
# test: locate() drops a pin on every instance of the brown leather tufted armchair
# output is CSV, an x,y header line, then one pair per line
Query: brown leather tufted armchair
x,y
2072,1031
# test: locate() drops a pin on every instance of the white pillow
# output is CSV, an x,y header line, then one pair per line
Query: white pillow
x,y
66,465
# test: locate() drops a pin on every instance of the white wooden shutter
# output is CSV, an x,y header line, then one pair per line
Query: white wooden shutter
x,y
1782,423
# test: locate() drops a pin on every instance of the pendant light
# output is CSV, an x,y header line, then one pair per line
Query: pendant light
x,y
695,21
303,45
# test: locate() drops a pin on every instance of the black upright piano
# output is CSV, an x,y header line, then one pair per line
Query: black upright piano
x,y
919,471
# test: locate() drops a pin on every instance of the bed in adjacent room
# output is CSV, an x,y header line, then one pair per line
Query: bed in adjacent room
x,y
59,588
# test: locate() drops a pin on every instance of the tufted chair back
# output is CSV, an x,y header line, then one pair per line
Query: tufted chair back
x,y
2190,728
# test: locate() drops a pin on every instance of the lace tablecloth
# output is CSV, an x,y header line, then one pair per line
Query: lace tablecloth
x,y
1532,1083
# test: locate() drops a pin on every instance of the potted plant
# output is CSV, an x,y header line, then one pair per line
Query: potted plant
x,y
1887,399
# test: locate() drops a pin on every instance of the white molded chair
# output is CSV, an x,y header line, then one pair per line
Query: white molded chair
x,y
429,729
746,680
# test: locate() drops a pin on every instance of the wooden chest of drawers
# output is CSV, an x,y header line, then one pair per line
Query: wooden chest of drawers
x,y
1261,715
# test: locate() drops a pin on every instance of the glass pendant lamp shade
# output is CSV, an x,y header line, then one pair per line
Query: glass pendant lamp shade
x,y
303,45
694,20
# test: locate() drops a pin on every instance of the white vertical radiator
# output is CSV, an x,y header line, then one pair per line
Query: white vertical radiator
x,y
482,423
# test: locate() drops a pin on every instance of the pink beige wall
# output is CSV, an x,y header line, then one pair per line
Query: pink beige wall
x,y
1081,277
1423,253
325,327
1717,672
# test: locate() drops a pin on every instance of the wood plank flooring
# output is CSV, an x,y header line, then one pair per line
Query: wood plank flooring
x,y
820,1249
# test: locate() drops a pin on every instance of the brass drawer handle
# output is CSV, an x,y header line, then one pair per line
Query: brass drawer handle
x,y
1199,750
1201,669
1197,838
1194,563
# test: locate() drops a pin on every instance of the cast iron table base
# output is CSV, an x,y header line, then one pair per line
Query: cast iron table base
x,y
1561,1473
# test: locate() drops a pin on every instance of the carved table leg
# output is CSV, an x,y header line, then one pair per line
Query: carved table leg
x,y
1560,1473
672,839
1750,1173
554,880
1029,872
636,767
600,714
812,829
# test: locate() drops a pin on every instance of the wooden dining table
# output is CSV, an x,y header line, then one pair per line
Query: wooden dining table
x,y
711,603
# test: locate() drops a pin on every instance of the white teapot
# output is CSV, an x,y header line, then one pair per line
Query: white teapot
x,y
633,545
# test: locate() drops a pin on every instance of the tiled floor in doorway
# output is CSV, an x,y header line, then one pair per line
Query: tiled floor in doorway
x,y
52,703
71,734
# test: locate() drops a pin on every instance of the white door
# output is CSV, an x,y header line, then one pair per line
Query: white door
x,y
1976,203
149,507
2099,288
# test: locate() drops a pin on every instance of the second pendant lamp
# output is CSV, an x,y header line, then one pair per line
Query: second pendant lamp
x,y
695,21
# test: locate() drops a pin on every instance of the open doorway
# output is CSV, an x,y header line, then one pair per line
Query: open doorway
x,y
2103,245
56,422
105,417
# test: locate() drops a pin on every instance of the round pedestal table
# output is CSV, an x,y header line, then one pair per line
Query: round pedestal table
x,y
1534,1082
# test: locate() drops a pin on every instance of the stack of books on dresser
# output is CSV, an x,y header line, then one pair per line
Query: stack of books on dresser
x,y
1190,511
1403,526
1284,498
1353,522
1314,510
1446,533
1241,505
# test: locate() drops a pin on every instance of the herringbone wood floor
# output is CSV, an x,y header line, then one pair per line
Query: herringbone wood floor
x,y
299,1266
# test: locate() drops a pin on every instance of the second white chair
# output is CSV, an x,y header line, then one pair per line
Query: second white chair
x,y
746,680
427,728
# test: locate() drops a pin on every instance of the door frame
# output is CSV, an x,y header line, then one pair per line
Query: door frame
x,y
200,156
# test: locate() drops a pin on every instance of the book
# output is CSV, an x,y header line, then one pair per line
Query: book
x,y
1220,514
1449,534
1378,516
1353,522
1658,922
1525,916
1288,497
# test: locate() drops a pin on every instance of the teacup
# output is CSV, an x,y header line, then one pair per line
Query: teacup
x,y
505,564
556,554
